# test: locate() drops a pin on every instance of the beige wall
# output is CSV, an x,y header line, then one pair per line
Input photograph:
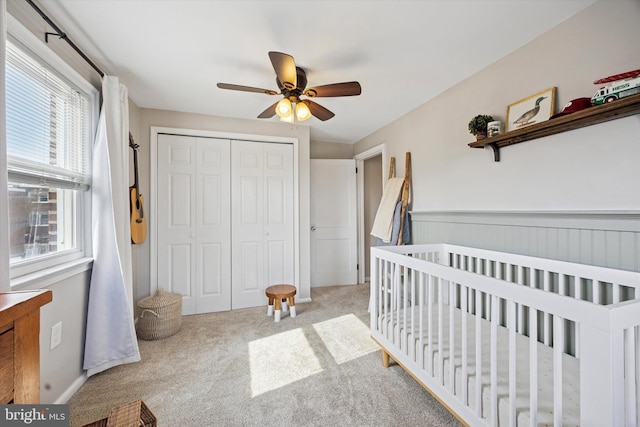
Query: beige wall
x,y
331,150
61,367
594,168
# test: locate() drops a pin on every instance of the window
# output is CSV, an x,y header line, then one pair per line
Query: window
x,y
49,137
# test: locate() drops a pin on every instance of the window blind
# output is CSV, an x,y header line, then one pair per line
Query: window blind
x,y
48,124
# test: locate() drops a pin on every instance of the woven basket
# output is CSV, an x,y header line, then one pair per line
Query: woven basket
x,y
131,414
160,315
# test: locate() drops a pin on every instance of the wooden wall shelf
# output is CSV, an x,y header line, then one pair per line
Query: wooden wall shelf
x,y
597,114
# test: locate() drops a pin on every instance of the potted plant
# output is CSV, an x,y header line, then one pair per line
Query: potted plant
x,y
478,125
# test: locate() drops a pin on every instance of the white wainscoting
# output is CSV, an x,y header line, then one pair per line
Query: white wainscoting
x,y
603,238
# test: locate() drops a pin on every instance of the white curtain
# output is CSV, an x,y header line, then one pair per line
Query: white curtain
x,y
111,336
4,200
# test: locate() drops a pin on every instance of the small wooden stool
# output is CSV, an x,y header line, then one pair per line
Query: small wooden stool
x,y
280,293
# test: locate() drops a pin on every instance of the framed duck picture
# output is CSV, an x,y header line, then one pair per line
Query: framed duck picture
x,y
531,110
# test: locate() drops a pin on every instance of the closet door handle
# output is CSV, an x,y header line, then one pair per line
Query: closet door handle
x,y
313,228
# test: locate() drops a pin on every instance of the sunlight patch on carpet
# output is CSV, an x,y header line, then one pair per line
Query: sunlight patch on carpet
x,y
346,337
279,360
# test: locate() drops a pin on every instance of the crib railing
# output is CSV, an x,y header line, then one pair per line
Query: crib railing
x,y
416,302
590,283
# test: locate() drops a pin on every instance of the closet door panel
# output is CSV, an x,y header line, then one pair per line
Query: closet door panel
x,y
276,262
213,219
176,218
251,274
194,221
262,225
210,256
247,225
179,266
279,210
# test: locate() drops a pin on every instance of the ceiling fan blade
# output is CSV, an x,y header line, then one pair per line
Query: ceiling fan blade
x,y
269,112
285,68
246,88
318,110
335,89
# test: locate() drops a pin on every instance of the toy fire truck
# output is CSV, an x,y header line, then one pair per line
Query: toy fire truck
x,y
625,84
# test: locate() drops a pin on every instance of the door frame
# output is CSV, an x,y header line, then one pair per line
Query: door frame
x,y
380,149
153,174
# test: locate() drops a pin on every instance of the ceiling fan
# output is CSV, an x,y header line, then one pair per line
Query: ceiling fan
x,y
292,83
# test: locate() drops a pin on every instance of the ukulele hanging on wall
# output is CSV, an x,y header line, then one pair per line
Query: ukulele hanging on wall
x,y
136,200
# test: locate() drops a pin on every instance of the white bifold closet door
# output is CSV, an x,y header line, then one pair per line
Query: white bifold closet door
x,y
194,220
224,220
262,219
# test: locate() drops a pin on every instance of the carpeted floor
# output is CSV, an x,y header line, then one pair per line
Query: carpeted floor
x,y
239,368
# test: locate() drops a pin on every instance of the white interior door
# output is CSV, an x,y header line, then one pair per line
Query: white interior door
x,y
194,221
334,251
262,225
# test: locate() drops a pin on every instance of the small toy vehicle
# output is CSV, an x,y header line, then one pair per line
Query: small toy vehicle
x,y
625,84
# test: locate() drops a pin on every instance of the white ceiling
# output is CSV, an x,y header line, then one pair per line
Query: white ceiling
x,y
171,53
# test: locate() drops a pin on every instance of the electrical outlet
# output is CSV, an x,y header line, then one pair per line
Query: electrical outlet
x,y
56,335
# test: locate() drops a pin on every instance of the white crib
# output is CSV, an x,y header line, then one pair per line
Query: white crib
x,y
554,343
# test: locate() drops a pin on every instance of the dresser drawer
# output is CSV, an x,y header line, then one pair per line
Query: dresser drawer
x,y
6,366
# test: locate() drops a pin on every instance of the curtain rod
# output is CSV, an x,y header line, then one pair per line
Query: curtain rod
x,y
63,36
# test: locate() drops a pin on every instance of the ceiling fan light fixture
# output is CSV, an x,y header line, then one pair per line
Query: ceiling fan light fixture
x,y
291,81
287,119
284,108
302,111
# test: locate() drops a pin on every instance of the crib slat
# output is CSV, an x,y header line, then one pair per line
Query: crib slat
x,y
463,379
396,305
494,360
533,367
595,286
521,280
412,296
430,302
404,290
440,329
385,297
511,313
630,376
421,297
636,359
558,339
618,372
547,318
452,339
578,293
478,353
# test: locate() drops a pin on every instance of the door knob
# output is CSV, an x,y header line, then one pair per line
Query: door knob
x,y
313,228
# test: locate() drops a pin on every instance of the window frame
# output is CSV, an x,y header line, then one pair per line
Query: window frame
x,y
31,273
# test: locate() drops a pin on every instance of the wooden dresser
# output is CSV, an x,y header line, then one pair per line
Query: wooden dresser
x,y
20,345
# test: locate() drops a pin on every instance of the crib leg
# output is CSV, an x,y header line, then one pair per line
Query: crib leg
x,y
385,359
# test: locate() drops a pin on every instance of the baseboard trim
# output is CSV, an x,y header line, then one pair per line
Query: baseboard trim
x,y
72,389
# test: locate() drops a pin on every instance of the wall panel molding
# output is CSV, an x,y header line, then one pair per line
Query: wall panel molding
x,y
604,238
